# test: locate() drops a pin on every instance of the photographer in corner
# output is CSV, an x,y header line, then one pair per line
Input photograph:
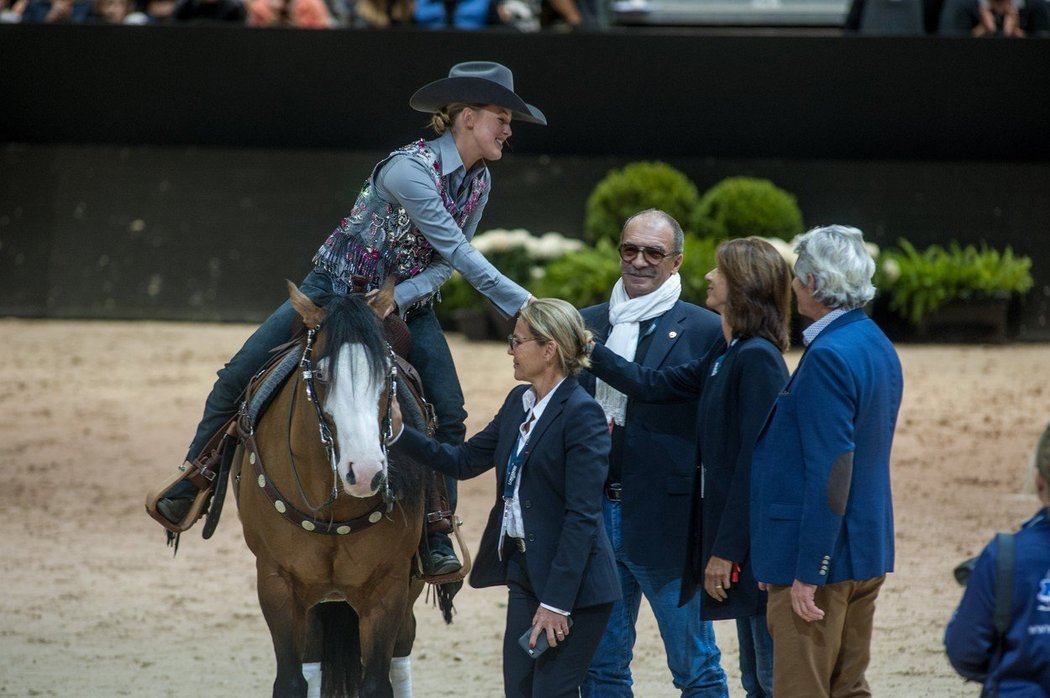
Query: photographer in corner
x,y
1014,662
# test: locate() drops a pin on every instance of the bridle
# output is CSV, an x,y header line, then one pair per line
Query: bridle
x,y
386,430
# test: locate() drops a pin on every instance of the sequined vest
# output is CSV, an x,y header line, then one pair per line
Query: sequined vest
x,y
378,238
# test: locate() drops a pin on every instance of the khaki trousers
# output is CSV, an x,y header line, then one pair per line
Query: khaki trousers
x,y
825,658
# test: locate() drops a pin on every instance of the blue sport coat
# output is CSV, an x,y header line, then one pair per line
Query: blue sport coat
x,y
821,506
568,557
659,450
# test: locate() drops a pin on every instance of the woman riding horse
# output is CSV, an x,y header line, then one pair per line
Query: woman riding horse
x,y
415,219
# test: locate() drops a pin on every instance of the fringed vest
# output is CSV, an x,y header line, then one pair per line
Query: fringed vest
x,y
378,238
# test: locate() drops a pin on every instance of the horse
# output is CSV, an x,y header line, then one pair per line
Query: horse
x,y
327,516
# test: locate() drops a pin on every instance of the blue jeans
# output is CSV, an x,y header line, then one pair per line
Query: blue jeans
x,y
432,359
756,656
692,655
228,391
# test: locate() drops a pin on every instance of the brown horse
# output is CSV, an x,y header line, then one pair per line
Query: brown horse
x,y
327,516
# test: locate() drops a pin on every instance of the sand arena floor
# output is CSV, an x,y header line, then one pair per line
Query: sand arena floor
x,y
93,603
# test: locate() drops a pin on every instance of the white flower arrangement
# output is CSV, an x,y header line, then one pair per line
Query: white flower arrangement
x,y
891,269
545,247
785,248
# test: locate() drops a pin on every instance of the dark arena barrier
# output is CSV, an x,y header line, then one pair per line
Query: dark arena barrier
x,y
184,172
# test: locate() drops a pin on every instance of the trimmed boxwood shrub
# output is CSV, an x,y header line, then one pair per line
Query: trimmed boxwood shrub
x,y
638,186
742,206
698,259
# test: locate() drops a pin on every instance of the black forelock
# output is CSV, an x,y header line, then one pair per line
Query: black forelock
x,y
350,320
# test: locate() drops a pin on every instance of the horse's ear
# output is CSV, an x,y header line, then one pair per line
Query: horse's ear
x,y
383,302
311,314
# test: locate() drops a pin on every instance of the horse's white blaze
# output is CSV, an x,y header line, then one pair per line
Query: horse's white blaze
x,y
353,405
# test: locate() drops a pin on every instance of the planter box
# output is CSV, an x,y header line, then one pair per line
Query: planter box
x,y
975,321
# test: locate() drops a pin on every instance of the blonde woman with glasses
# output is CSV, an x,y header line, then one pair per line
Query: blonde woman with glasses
x,y
545,539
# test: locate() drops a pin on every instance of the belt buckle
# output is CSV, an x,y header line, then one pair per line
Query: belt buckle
x,y
614,492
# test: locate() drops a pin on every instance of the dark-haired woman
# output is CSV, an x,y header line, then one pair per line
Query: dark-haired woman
x,y
414,219
738,382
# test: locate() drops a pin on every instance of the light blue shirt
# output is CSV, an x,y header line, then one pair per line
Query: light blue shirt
x,y
811,332
405,179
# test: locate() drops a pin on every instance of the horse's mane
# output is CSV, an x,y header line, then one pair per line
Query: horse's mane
x,y
351,319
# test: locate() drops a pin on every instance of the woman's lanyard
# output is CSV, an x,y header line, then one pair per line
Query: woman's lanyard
x,y
516,460
721,359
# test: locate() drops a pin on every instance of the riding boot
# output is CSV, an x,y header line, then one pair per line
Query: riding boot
x,y
442,558
180,500
176,502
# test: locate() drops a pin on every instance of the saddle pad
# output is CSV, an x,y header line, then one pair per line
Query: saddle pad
x,y
262,388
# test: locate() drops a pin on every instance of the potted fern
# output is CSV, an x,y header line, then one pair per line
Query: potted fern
x,y
955,291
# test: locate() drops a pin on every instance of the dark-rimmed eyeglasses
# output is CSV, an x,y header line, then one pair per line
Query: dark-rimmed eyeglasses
x,y
514,342
653,255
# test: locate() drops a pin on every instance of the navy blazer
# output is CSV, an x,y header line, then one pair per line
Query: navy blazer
x,y
734,404
568,556
821,506
659,460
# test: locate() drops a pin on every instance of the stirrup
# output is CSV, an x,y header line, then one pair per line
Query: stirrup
x,y
460,574
200,501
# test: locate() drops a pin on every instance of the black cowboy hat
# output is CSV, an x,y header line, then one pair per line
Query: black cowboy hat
x,y
476,82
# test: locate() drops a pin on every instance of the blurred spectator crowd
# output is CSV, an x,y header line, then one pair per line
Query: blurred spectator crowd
x,y
978,18
525,15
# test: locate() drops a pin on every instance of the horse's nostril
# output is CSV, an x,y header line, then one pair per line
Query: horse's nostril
x,y
350,474
377,480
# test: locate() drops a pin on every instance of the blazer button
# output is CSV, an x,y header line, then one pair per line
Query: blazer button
x,y
528,503
532,537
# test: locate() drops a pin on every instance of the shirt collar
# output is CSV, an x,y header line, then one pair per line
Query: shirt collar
x,y
528,400
448,153
811,332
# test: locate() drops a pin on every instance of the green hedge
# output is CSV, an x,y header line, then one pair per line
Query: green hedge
x,y
699,258
638,186
741,206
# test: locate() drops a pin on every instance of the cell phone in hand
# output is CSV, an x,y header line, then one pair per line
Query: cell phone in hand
x,y
541,641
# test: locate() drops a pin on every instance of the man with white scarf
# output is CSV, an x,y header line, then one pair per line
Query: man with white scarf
x,y
652,463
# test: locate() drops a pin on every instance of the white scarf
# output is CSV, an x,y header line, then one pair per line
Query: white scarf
x,y
625,316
